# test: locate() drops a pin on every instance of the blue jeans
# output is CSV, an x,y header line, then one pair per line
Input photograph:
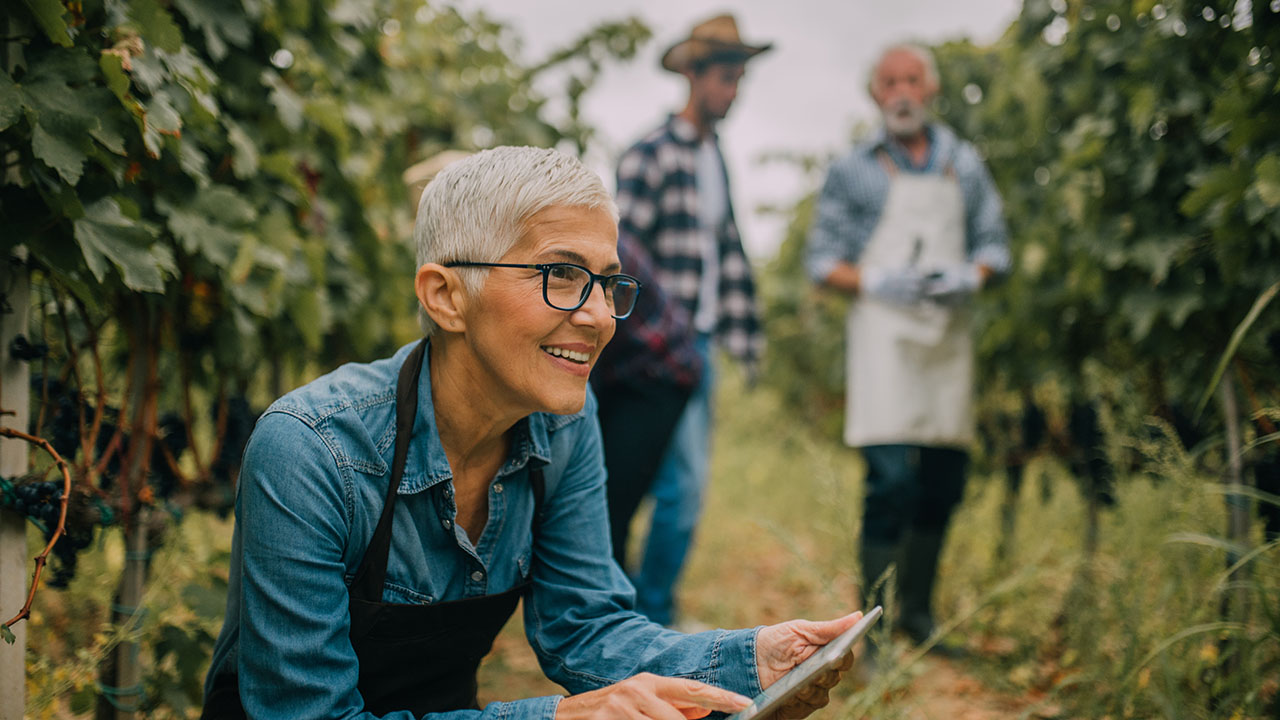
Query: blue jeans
x,y
910,487
677,495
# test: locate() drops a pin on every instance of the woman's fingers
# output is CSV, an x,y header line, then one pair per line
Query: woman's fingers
x,y
781,647
693,696
652,697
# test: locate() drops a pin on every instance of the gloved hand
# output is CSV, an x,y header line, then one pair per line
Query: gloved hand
x,y
953,285
900,286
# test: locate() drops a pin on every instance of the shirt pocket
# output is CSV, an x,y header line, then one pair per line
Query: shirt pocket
x,y
396,593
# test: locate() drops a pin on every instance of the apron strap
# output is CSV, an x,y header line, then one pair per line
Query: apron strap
x,y
373,567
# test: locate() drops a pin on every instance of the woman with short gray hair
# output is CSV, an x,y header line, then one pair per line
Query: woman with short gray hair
x,y
390,515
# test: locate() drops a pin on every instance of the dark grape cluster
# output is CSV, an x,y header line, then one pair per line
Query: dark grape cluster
x,y
75,538
62,415
38,500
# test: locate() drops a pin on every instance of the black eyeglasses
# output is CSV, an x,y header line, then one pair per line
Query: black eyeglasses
x,y
566,286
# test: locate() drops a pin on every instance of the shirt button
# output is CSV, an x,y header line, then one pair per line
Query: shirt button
x,y
497,487
447,523
477,576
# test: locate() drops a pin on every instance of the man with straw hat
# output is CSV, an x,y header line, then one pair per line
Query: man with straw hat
x,y
673,199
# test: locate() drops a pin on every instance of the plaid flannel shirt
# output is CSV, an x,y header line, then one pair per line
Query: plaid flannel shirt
x,y
658,206
655,341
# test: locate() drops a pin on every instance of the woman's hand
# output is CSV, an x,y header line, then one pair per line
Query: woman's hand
x,y
783,646
651,696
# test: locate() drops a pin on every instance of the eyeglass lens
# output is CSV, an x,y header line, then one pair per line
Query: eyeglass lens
x,y
568,286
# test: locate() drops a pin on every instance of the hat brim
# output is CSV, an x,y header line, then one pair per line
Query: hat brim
x,y
680,56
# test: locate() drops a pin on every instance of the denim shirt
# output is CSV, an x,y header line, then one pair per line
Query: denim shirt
x,y
311,488
857,188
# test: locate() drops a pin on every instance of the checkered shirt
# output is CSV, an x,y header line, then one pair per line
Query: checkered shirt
x,y
658,205
654,342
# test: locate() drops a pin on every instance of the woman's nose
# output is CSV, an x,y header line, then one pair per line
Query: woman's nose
x,y
596,310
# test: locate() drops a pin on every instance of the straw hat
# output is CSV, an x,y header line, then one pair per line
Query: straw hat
x,y
417,176
717,37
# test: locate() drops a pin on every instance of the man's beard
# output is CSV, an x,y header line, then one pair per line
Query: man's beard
x,y
904,118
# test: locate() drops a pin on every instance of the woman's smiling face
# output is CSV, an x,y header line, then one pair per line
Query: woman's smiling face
x,y
530,356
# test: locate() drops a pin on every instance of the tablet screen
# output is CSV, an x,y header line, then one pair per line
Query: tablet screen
x,y
800,676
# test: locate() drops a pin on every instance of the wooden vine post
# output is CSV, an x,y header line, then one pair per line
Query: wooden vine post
x,y
14,404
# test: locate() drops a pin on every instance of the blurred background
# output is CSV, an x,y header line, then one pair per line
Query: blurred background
x,y
205,206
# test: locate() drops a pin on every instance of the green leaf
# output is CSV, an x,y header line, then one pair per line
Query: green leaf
x,y
117,79
62,144
287,103
1221,185
193,161
212,224
108,237
112,129
48,15
161,114
220,20
244,158
1236,338
155,24
10,101
7,635
1268,183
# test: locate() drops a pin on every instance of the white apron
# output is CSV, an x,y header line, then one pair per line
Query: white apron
x,y
910,368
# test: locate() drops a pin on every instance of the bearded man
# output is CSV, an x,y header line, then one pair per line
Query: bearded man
x,y
910,225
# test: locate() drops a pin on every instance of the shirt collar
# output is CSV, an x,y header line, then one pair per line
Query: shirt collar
x,y
530,442
942,142
686,132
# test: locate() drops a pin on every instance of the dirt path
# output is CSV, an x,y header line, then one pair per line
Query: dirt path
x,y
942,690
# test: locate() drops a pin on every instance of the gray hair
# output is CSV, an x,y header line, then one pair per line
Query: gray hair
x,y
476,208
920,52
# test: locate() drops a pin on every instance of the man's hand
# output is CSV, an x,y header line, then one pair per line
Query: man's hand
x,y
955,284
651,696
781,647
900,286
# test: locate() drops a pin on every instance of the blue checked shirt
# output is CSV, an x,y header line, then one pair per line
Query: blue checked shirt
x,y
658,206
857,187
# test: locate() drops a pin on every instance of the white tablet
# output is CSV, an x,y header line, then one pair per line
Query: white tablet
x,y
800,676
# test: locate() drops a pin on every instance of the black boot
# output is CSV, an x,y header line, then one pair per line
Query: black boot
x,y
915,583
879,567
877,578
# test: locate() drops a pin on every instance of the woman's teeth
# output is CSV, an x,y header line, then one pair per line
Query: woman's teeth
x,y
578,357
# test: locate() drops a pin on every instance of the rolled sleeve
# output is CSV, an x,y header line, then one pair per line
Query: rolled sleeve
x,y
579,617
734,651
840,230
986,234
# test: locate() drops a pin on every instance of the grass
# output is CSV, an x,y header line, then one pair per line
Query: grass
x,y
1140,634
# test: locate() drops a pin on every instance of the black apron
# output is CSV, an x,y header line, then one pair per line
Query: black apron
x,y
421,658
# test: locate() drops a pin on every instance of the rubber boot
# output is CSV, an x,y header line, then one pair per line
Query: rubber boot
x,y
876,560
915,583
878,588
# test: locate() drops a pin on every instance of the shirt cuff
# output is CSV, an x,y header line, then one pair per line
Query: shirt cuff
x,y
995,257
733,662
820,268
538,708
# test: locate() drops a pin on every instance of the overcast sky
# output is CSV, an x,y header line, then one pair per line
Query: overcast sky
x,y
804,96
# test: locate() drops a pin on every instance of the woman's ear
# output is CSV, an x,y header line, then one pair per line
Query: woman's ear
x,y
442,295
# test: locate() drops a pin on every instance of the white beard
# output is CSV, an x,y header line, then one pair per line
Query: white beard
x,y
904,118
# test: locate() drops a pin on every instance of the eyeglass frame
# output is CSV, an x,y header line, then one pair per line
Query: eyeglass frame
x,y
545,269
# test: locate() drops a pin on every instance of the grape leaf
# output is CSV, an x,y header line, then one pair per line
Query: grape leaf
x,y
108,237
48,15
10,101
